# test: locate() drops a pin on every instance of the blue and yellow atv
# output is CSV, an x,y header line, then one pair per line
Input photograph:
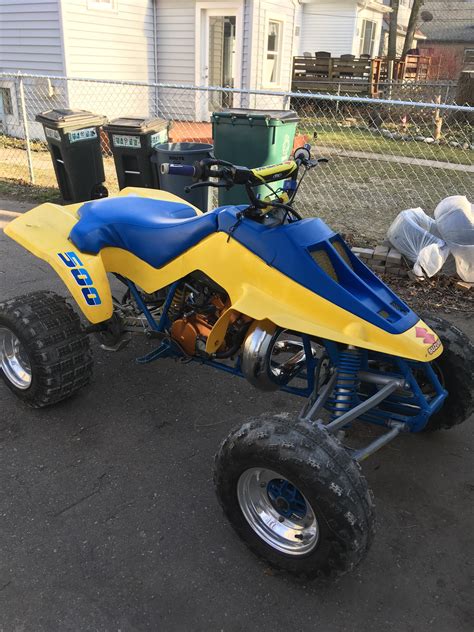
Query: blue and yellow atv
x,y
259,292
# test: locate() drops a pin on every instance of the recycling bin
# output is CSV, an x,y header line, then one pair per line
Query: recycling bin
x,y
183,154
132,141
252,138
73,138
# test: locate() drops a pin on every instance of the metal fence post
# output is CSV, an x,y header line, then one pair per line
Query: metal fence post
x,y
26,131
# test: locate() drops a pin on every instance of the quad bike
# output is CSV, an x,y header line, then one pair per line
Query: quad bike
x,y
259,292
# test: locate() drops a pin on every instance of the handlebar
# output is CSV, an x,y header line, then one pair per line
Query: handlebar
x,y
233,174
220,173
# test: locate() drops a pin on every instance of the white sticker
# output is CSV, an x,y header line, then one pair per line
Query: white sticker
x,y
285,150
159,137
82,134
52,133
126,141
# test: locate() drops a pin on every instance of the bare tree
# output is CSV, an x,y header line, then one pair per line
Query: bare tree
x,y
392,32
415,12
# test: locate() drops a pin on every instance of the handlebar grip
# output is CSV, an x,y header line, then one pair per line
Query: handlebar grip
x,y
177,170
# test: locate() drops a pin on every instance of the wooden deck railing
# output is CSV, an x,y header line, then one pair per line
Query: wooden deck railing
x,y
353,75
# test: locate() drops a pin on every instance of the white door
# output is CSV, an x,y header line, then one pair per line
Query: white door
x,y
219,62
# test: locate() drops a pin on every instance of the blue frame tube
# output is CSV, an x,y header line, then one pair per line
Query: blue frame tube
x,y
161,325
396,403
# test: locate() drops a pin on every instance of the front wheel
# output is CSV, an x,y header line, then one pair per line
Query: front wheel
x,y
45,356
455,369
295,497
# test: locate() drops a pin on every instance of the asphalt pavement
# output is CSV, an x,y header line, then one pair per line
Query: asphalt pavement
x,y
109,522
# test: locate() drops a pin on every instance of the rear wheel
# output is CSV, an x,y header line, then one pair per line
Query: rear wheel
x,y
295,497
455,369
45,356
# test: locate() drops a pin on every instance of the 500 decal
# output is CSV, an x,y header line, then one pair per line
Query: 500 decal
x,y
81,276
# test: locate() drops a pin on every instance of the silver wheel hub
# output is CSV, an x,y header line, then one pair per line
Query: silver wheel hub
x,y
277,511
14,360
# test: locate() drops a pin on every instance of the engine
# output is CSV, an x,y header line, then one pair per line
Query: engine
x,y
196,307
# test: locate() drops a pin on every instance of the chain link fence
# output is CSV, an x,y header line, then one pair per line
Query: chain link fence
x,y
385,155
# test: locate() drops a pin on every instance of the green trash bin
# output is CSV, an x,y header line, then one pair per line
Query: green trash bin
x,y
132,142
73,138
252,138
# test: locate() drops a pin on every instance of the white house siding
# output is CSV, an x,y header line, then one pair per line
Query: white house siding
x,y
176,56
176,52
30,37
30,42
329,26
373,16
285,12
115,44
176,41
404,11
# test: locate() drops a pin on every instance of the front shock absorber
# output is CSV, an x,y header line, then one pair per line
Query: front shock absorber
x,y
344,396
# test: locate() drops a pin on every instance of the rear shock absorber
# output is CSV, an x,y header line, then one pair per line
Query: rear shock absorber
x,y
177,303
344,397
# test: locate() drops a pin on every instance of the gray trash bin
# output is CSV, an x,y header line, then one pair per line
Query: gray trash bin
x,y
182,154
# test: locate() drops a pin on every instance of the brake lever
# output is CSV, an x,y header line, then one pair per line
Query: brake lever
x,y
314,163
199,185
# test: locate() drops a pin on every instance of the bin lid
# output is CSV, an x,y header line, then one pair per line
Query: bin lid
x,y
70,118
256,117
184,148
136,125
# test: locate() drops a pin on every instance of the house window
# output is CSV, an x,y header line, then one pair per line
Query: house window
x,y
367,37
469,56
273,56
6,101
102,4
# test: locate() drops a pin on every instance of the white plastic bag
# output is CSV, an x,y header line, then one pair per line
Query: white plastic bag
x,y
455,224
411,234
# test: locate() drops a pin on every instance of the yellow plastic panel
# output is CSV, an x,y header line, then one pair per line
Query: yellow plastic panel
x,y
255,288
44,232
262,292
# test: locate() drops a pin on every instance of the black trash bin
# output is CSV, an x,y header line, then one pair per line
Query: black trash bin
x,y
182,154
73,138
132,141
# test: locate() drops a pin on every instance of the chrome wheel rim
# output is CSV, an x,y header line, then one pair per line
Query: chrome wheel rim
x,y
14,360
277,511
